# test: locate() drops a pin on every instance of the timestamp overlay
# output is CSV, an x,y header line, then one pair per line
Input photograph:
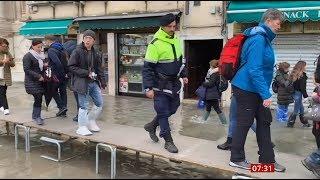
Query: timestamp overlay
x,y
262,167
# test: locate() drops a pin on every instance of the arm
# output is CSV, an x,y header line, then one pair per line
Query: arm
x,y
255,63
212,81
303,86
148,71
11,60
74,66
27,68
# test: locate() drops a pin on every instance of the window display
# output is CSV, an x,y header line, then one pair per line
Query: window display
x,y
132,49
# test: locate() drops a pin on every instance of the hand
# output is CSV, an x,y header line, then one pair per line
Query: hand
x,y
66,76
185,80
150,94
45,64
90,76
5,60
41,79
267,102
103,86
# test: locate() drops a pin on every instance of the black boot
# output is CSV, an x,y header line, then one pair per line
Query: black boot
x,y
303,121
169,145
226,145
291,120
151,128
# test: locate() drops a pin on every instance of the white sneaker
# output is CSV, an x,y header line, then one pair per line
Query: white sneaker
x,y
93,126
1,109
84,131
6,112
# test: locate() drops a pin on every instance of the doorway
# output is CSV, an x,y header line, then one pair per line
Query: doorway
x,y
198,54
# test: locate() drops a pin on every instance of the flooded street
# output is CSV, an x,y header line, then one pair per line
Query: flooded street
x,y
136,112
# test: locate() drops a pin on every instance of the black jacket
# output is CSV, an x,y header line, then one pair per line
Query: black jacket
x,y
301,85
32,75
79,66
285,88
58,60
212,91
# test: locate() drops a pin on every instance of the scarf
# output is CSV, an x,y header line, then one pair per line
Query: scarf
x,y
40,57
210,72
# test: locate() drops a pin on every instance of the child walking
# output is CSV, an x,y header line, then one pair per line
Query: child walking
x,y
285,91
213,95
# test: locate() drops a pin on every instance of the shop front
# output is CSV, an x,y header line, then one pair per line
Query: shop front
x,y
298,38
124,40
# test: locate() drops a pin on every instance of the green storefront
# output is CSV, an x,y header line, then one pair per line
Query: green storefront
x,y
299,37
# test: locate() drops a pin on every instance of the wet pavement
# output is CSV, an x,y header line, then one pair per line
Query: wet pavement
x,y
136,112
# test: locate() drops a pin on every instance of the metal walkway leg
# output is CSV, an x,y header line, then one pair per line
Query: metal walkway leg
x,y
26,135
113,151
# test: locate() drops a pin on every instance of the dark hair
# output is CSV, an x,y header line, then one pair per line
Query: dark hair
x,y
4,41
36,42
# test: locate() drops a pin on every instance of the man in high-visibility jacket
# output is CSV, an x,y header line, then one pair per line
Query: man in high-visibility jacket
x,y
162,69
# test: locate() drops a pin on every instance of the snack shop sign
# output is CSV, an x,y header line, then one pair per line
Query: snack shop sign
x,y
302,15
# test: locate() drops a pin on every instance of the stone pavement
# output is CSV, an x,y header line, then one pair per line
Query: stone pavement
x,y
295,143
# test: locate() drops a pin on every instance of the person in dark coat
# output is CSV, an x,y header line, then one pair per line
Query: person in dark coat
x,y
213,95
299,78
285,91
33,67
88,79
57,57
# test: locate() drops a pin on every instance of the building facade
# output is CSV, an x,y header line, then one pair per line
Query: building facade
x,y
124,29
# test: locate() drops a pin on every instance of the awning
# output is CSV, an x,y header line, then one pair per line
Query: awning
x,y
52,27
251,11
119,22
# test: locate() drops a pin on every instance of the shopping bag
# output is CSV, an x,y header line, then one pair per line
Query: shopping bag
x,y
201,104
201,92
313,113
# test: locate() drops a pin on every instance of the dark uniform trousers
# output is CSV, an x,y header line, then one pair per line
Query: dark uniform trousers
x,y
165,106
250,106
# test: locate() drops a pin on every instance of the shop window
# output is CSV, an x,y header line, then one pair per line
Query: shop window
x,y
132,49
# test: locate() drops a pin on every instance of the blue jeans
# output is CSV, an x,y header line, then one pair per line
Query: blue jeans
x,y
233,118
298,106
94,92
282,113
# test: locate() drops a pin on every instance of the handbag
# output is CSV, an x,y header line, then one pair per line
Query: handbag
x,y
313,113
201,92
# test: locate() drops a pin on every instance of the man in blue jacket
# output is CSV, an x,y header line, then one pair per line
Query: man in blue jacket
x,y
59,65
251,86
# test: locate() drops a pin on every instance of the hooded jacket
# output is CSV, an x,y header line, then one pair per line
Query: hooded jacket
x,y
57,60
257,61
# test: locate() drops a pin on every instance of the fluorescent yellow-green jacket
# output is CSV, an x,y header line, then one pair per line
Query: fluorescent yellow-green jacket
x,y
161,58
